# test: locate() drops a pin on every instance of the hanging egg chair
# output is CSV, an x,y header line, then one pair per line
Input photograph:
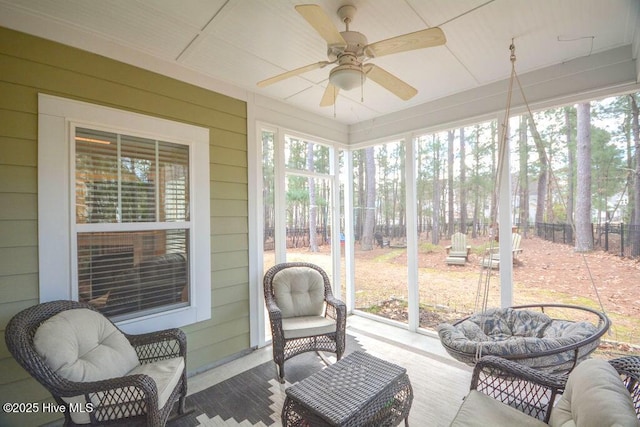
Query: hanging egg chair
x,y
526,334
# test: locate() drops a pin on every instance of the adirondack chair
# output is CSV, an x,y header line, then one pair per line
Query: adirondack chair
x,y
458,252
492,258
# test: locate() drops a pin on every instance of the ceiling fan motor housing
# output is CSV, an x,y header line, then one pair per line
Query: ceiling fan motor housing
x,y
356,42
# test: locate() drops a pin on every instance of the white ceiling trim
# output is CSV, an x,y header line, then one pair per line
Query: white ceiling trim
x,y
600,75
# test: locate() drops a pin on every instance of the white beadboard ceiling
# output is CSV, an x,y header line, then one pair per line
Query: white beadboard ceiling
x,y
236,43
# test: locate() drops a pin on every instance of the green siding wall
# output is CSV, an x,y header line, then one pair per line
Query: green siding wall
x,y
30,65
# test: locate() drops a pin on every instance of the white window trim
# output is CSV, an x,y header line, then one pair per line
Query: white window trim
x,y
56,217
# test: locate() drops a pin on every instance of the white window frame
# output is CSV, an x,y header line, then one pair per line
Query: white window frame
x,y
56,203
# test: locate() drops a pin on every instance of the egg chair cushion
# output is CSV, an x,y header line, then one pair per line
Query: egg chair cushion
x,y
530,336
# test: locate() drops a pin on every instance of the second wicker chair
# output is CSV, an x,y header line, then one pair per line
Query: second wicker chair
x,y
303,313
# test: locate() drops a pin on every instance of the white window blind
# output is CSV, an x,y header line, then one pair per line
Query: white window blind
x,y
132,222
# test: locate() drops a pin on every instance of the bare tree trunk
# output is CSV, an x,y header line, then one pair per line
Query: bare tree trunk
x,y
543,177
493,210
584,236
570,166
450,137
549,213
359,215
476,184
366,242
435,232
463,184
313,208
628,212
523,214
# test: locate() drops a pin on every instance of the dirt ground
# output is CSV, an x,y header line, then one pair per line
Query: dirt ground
x,y
544,272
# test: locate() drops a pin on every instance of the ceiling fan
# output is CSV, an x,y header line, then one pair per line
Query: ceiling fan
x,y
350,50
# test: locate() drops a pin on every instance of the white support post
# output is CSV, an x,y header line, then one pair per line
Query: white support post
x,y
412,233
349,252
280,199
504,216
257,335
335,222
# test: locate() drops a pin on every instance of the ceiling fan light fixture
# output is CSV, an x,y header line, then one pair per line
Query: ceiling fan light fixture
x,y
347,77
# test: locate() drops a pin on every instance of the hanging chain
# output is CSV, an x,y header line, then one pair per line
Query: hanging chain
x,y
361,84
334,101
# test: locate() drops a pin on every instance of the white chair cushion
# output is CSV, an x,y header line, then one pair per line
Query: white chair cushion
x,y
480,410
165,373
299,291
595,396
307,326
82,345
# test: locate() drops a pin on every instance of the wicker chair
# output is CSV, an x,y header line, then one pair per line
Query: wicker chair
x,y
308,319
536,393
129,399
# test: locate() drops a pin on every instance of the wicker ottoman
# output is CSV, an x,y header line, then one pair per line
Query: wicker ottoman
x,y
359,390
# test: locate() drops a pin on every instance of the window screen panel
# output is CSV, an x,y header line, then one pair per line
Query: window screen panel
x,y
298,154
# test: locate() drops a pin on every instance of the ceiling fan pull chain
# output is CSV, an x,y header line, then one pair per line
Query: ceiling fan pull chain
x,y
361,85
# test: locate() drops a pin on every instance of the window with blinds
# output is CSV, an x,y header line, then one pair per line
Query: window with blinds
x,y
132,222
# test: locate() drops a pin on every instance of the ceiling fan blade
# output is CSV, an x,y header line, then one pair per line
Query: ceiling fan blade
x,y
329,96
390,82
319,20
297,71
412,41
